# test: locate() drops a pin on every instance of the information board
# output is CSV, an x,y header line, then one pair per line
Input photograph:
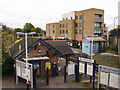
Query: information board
x,y
81,67
71,69
114,80
90,69
104,78
47,64
18,70
24,73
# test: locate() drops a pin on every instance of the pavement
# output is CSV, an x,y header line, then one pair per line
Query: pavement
x,y
54,82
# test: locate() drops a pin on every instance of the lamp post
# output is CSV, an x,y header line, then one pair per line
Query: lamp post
x,y
92,44
31,33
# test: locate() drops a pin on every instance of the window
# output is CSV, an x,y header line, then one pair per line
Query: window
x,y
66,25
63,25
76,17
66,18
71,17
76,24
53,26
81,16
80,31
60,25
76,31
80,24
66,31
53,31
63,31
63,18
60,31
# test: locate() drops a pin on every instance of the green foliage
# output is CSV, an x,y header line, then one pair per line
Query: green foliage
x,y
7,64
113,32
18,30
113,47
27,28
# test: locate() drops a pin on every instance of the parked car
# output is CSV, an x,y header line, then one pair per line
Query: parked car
x,y
62,38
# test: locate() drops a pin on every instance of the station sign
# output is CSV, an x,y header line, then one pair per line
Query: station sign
x,y
47,65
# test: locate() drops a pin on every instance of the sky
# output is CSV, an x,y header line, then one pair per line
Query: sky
x,y
15,13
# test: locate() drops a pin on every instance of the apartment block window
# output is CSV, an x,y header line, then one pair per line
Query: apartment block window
x,y
63,31
76,31
53,31
66,18
80,31
81,17
80,24
60,25
53,26
66,25
71,17
63,18
76,17
76,24
63,25
60,31
66,31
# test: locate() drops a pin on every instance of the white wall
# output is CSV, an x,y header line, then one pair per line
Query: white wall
x,y
69,15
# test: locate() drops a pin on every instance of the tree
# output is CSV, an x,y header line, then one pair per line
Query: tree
x,y
18,30
38,30
27,27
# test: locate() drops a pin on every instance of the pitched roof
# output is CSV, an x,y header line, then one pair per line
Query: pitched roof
x,y
60,46
14,50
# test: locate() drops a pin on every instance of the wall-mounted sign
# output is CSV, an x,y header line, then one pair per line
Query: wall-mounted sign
x,y
47,65
51,53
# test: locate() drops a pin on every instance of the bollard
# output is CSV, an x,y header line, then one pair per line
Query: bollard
x,y
75,72
90,79
47,76
34,76
65,74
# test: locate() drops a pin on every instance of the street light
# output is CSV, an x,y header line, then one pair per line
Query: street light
x,y
92,43
31,33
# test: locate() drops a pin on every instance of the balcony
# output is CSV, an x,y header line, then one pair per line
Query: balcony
x,y
98,17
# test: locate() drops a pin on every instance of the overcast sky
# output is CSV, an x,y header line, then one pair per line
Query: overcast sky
x,y
15,13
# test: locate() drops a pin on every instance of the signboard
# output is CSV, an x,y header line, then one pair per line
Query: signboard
x,y
21,71
81,67
47,64
114,80
108,76
104,78
71,69
90,69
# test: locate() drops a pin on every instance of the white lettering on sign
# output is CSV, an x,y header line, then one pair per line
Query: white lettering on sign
x,y
86,60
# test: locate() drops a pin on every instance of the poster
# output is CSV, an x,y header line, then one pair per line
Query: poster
x,y
90,69
81,67
71,69
24,73
104,78
114,80
18,70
